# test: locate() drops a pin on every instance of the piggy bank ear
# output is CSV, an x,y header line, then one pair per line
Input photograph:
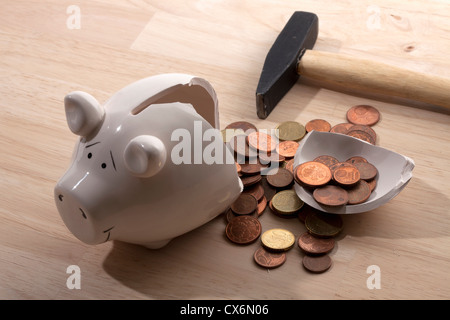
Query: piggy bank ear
x,y
145,156
83,112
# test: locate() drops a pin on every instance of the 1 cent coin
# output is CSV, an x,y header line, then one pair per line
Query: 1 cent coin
x,y
240,147
277,239
262,204
252,168
261,141
364,128
287,148
346,175
245,126
289,165
331,195
317,264
244,204
329,161
359,193
355,159
318,125
268,259
341,128
280,178
243,229
255,190
367,170
313,173
248,181
267,158
363,114
361,135
314,245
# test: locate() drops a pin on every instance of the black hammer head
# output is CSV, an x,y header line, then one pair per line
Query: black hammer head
x,y
279,72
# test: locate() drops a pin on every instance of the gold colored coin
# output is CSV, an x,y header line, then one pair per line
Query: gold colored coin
x,y
290,130
286,202
323,224
277,239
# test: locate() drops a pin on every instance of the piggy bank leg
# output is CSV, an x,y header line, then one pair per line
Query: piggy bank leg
x,y
156,244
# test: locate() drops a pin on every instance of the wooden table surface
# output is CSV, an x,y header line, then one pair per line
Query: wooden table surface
x,y
43,57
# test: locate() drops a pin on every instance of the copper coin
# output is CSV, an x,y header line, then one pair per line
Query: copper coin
x,y
363,114
240,147
243,229
247,127
252,168
346,175
364,128
372,184
269,191
268,259
280,178
355,159
313,173
331,195
367,170
244,204
327,160
314,245
261,141
267,158
359,193
361,135
318,125
338,165
341,127
262,204
289,165
255,190
287,148
250,180
230,215
317,264
322,224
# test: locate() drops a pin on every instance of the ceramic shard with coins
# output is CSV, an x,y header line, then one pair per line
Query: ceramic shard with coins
x,y
392,174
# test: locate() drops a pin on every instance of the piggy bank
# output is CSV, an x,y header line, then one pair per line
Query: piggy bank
x,y
149,165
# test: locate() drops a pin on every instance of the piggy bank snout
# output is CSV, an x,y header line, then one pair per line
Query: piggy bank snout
x,y
78,216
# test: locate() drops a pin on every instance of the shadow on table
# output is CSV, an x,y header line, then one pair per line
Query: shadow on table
x,y
189,267
399,219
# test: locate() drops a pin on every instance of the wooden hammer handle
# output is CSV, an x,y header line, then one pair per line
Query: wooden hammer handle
x,y
374,77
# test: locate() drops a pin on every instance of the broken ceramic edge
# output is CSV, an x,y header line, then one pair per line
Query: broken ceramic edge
x,y
394,170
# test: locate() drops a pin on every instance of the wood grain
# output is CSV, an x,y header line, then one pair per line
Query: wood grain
x,y
225,42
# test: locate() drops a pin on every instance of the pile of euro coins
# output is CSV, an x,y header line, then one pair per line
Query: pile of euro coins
x,y
264,162
336,183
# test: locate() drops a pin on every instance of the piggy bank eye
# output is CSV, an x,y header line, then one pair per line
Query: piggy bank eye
x,y
103,165
89,155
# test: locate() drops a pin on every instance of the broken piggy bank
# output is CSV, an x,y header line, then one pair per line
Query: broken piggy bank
x,y
150,164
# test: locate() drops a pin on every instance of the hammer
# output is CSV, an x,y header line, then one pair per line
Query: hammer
x,y
291,57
